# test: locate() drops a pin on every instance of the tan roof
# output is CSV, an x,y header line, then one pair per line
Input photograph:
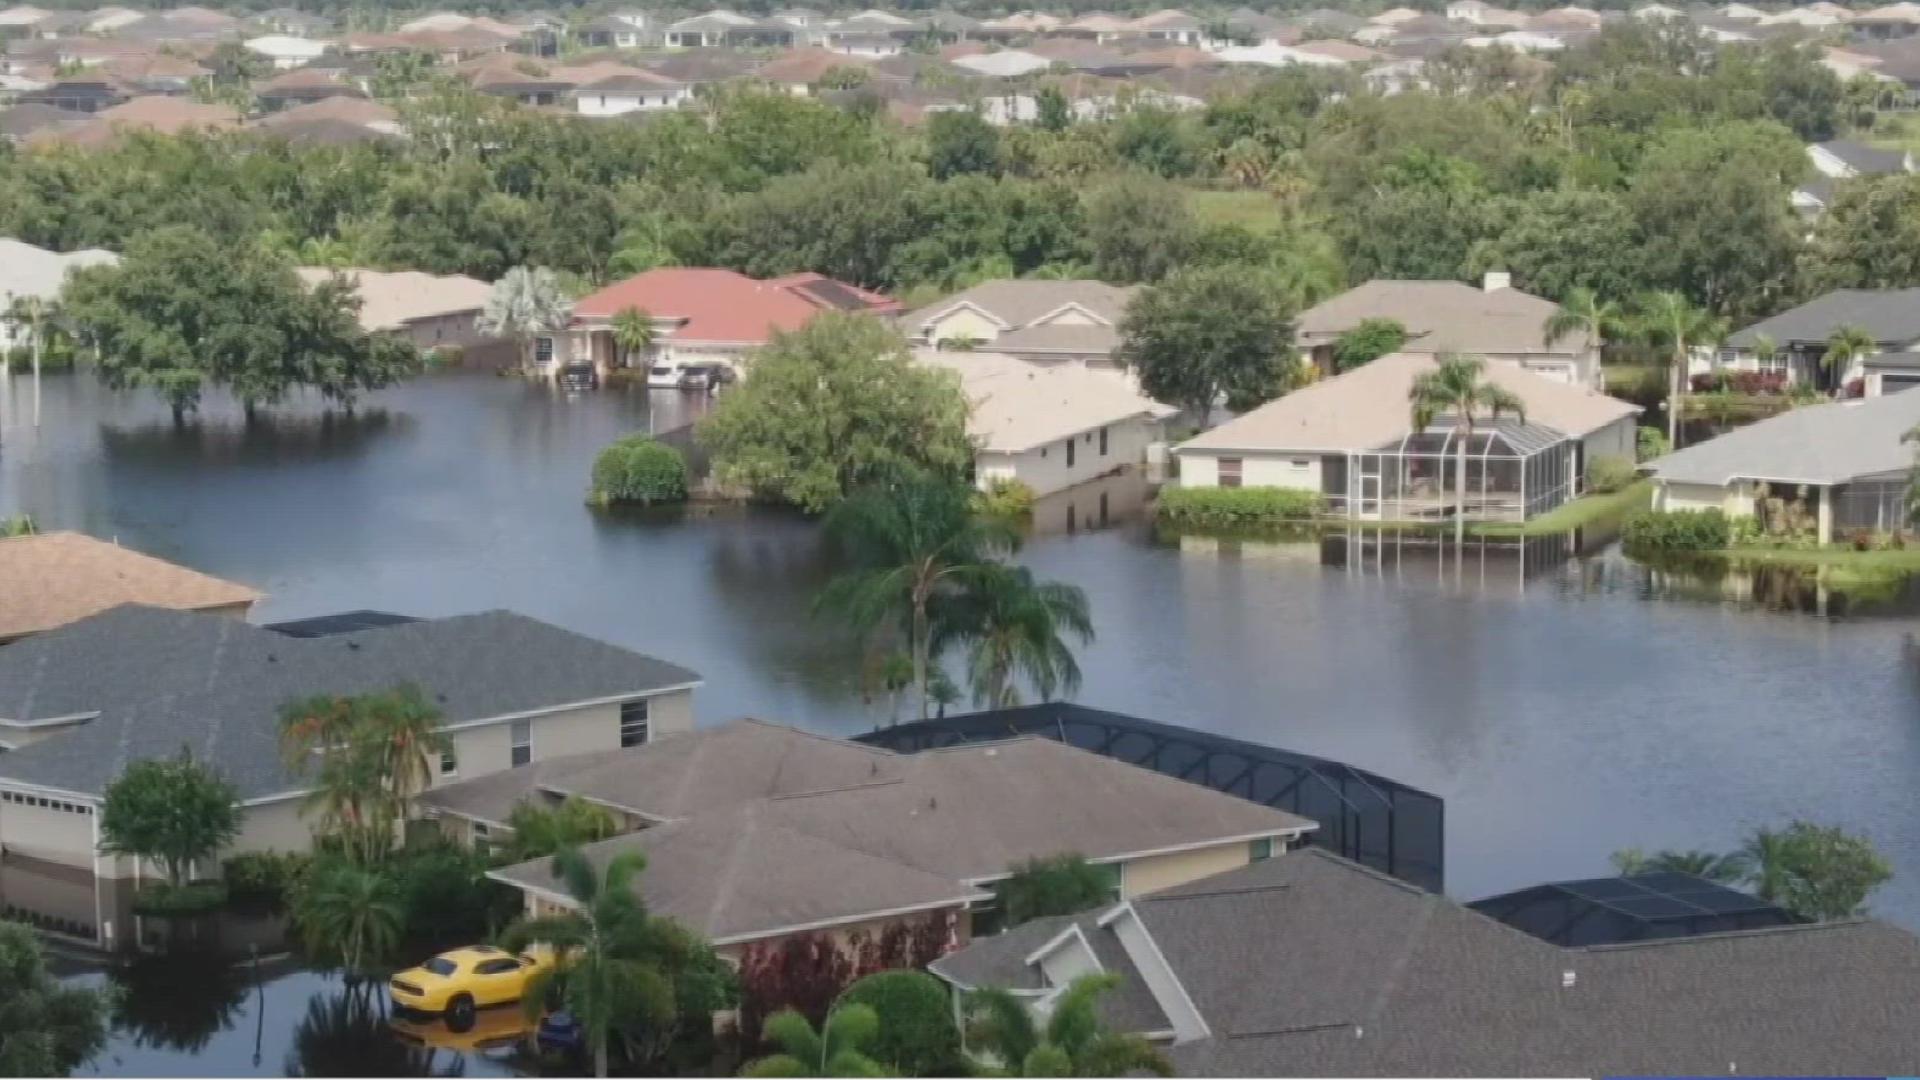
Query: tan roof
x,y
356,110
300,78
1367,408
1015,405
169,115
1443,316
602,70
390,300
55,578
1340,50
806,65
1015,303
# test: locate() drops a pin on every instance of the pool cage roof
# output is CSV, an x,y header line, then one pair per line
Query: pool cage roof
x,y
1506,437
1643,907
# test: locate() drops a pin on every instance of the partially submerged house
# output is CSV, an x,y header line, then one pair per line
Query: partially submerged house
x,y
1352,439
51,579
1794,342
1034,320
1843,466
31,272
1310,965
436,312
1839,160
1496,321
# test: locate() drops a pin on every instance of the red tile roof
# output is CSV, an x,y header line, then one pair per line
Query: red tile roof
x,y
722,305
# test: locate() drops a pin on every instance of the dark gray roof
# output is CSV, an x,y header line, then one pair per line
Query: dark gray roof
x,y
1892,316
1830,443
162,679
1866,160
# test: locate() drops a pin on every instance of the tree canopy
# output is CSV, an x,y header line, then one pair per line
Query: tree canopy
x,y
1208,333
46,1029
174,811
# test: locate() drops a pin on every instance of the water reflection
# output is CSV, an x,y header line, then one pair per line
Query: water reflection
x,y
177,1001
346,1032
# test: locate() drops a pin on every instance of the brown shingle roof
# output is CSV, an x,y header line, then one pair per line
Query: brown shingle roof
x,y
1444,316
53,579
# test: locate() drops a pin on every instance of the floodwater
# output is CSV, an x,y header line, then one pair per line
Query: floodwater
x,y
1563,707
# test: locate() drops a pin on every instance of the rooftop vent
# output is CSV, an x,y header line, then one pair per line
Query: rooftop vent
x,y
1567,979
1495,280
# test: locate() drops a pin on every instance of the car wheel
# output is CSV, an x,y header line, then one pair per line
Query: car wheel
x,y
460,1013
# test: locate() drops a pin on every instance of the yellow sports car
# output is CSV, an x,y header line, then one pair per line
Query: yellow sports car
x,y
461,980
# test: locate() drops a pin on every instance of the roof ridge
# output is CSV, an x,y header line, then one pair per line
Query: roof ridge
x,y
1757,931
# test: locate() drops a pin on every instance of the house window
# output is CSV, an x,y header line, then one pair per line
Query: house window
x,y
1260,850
1103,442
543,350
482,842
521,743
448,766
1069,453
1230,472
633,722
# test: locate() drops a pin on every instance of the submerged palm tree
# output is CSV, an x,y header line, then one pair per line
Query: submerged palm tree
x,y
1014,627
1668,318
350,911
526,303
839,1048
34,313
633,333
1075,1041
1455,388
1845,345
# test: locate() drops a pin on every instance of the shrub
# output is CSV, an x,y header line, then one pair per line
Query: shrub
x,y
1677,531
1607,474
638,470
165,899
262,878
1739,382
1005,497
918,1035
1224,507
446,894
1652,443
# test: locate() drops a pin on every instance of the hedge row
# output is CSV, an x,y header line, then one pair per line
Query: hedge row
x,y
1677,530
1243,506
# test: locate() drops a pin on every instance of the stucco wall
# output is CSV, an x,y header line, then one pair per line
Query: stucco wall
x,y
1734,500
1302,471
1617,439
275,826
1045,469
963,324
487,748
1158,872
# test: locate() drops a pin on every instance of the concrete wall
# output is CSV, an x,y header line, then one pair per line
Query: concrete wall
x,y
1158,872
1045,469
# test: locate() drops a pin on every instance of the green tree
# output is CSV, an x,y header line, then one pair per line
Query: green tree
x,y
1012,628
35,313
1844,346
959,142
1457,389
1209,332
624,974
46,1029
1667,318
917,1035
1821,872
540,831
1563,239
837,1049
1369,340
1725,869
367,757
527,303
633,334
173,811
349,912
1043,886
1051,112
638,469
909,545
1869,238
832,407
1139,228
1584,312
1074,1041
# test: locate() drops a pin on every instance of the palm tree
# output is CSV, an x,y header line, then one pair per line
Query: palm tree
x,y
908,543
837,1049
1455,388
1668,318
1013,626
524,304
1075,1042
1768,854
612,975
539,831
632,333
351,911
34,313
1845,345
369,756
1765,350
1584,312
1726,869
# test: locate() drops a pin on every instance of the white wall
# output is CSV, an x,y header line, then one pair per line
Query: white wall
x,y
1201,468
588,104
1045,469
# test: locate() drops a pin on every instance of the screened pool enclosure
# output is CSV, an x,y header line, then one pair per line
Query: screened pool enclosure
x,y
1514,471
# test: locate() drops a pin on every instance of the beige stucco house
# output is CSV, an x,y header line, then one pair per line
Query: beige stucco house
x,y
1041,321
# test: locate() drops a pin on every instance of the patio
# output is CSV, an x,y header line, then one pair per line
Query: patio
x,y
1514,471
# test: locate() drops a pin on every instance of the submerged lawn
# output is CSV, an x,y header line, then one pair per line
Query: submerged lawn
x,y
1579,513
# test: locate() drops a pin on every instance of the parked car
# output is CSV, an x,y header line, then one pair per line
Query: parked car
x,y
663,377
697,377
459,981
579,375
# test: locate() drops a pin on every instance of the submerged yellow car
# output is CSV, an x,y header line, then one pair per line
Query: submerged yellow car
x,y
461,980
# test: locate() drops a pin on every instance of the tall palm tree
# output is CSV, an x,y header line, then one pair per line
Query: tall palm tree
x,y
1845,345
368,757
1767,854
1075,1041
1455,388
1670,319
839,1048
526,303
907,543
632,333
1584,312
612,974
1014,627
350,911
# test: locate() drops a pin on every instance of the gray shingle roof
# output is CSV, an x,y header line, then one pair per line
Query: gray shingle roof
x,y
162,679
1814,444
1866,160
1017,303
1892,316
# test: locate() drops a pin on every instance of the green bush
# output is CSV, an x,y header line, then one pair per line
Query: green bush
x,y
1607,474
447,897
164,899
1656,531
1004,497
1652,443
262,878
1227,507
638,470
918,1036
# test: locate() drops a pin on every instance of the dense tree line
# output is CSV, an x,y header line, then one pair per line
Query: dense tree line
x,y
1646,159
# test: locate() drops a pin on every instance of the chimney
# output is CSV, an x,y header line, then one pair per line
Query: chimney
x,y
1495,280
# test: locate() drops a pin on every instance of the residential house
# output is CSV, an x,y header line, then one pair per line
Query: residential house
x,y
1309,965
635,90
158,113
870,33
1845,466
1496,321
516,78
1838,160
1050,427
1035,320
1004,64
337,113
82,702
22,122
1887,23
301,86
293,22
701,315
33,272
721,27
52,579
1798,337
612,32
701,67
79,93
1351,437
800,71
433,311
285,51
843,837
152,72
